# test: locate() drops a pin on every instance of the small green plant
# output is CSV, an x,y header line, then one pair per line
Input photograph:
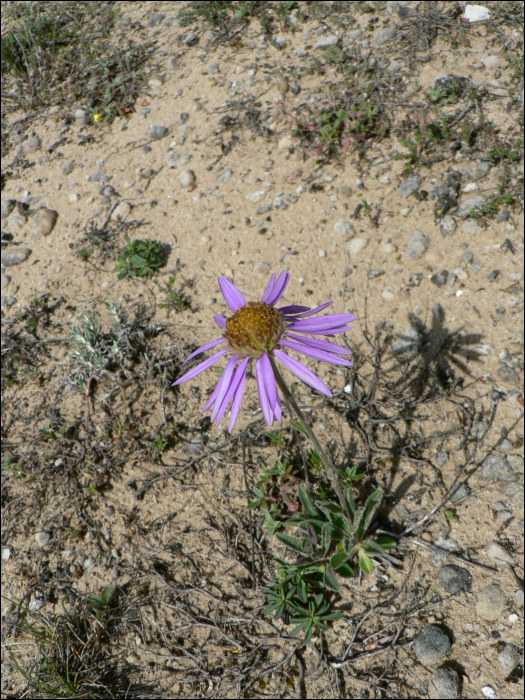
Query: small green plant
x,y
158,445
174,301
139,258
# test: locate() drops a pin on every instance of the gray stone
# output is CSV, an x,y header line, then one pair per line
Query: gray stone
x,y
417,246
495,468
7,207
15,256
447,225
68,167
476,266
461,492
514,492
42,538
372,274
29,146
509,657
326,41
191,39
493,275
454,578
187,177
442,458
491,603
43,222
36,603
96,176
88,563
409,186
121,211
225,177
17,222
444,683
508,375
497,552
505,446
471,227
261,269
157,132
382,36
491,61
470,204
439,278
432,643
155,19
356,245
183,118
6,281
502,216
343,228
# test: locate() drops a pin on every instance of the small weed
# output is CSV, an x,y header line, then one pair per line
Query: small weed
x,y
174,301
140,258
158,445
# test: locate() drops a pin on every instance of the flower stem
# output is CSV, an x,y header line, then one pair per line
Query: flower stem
x,y
291,403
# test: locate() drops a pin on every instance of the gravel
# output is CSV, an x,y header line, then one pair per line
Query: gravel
x,y
444,683
417,246
491,603
432,643
454,578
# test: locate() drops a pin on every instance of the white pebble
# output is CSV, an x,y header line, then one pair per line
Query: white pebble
x,y
322,253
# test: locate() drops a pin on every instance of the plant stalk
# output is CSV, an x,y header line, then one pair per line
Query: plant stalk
x,y
291,403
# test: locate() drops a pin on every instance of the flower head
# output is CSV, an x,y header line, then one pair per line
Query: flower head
x,y
257,331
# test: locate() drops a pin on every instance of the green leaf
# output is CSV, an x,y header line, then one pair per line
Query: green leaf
x,y
301,591
368,510
291,542
386,542
297,425
337,615
345,570
330,580
338,559
349,499
365,563
307,503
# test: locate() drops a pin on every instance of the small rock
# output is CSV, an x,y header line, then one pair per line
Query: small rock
x,y
326,41
42,538
382,36
17,222
321,253
444,683
447,225
476,266
182,118
191,39
15,256
6,281
471,187
503,517
88,563
225,177
157,131
508,376
285,142
68,167
343,228
470,204
509,657
439,278
357,245
43,222
36,603
493,275
432,643
121,211
491,61
471,227
29,146
502,216
187,177
497,552
7,207
155,19
461,492
454,579
295,89
256,196
388,295
261,269
417,246
505,446
372,274
345,191
495,468
409,186
491,603
210,301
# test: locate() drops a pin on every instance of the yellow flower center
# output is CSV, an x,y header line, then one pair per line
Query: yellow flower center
x,y
253,329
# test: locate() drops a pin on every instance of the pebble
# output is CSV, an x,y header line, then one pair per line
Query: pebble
x,y
476,266
88,563
447,225
43,222
495,468
121,211
29,146
7,207
439,278
357,245
42,538
505,446
6,281
157,131
261,269
345,191
444,683
503,517
155,19
326,41
417,246
471,187
225,177
509,657
68,167
187,177
372,274
36,603
15,256
210,301
491,603
432,643
343,228
191,39
469,204
493,275
461,492
382,36
321,253
471,227
182,118
454,578
491,61
409,186
497,552
388,295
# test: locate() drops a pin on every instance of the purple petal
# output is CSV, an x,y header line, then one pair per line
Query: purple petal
x,y
206,346
237,398
270,386
225,383
239,373
213,396
315,352
220,321
200,368
321,344
269,288
231,294
260,375
323,323
302,372
276,408
293,309
332,331
310,312
278,289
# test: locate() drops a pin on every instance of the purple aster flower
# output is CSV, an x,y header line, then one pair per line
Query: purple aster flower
x,y
257,331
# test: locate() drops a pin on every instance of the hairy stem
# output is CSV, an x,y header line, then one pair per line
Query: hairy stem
x,y
291,403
